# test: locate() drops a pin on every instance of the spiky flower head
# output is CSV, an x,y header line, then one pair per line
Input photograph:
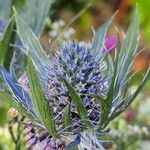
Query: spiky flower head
x,y
77,92
77,65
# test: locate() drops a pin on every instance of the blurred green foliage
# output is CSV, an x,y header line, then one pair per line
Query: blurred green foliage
x,y
144,12
72,5
131,130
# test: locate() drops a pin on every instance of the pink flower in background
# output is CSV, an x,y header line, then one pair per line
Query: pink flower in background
x,y
130,115
110,43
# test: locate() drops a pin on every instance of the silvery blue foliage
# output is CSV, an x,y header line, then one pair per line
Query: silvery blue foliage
x,y
19,94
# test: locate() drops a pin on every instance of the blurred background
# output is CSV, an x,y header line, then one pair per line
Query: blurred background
x,y
75,19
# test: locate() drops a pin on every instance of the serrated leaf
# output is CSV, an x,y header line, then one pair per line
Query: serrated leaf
x,y
40,103
6,51
31,43
78,102
99,38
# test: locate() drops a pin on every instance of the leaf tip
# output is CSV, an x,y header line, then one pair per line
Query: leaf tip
x,y
14,9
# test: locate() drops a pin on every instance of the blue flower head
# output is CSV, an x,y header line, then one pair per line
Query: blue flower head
x,y
76,64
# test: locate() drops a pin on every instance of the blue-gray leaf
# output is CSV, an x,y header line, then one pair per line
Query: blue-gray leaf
x,y
20,95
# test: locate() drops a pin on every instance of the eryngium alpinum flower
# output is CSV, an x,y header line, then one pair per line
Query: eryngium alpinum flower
x,y
76,64
77,91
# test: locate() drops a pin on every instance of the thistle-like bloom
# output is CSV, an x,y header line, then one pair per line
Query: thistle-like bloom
x,y
76,64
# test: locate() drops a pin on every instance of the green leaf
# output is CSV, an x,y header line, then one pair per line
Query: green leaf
x,y
98,97
31,43
78,102
107,104
8,38
104,107
40,103
101,100
99,38
7,98
66,119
